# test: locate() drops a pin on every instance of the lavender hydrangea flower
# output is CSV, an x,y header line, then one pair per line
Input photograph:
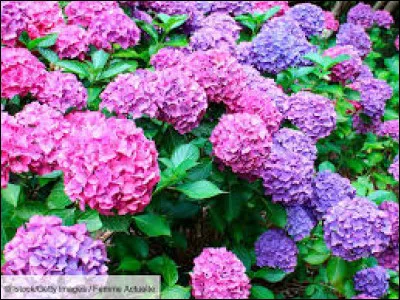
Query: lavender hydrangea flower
x,y
354,35
356,228
328,190
389,128
230,7
383,18
208,38
168,57
44,247
275,249
372,281
394,168
310,17
362,15
281,44
392,209
222,23
315,115
389,258
300,222
363,124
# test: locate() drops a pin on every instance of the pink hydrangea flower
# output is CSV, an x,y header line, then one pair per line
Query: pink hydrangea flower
x,y
21,73
9,129
62,91
131,94
242,142
84,12
219,274
113,27
264,6
330,21
168,57
396,43
14,20
383,19
108,164
72,42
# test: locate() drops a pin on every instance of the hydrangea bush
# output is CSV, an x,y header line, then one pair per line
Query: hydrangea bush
x,y
238,149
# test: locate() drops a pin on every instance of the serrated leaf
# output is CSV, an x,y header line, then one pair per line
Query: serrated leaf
x,y
43,42
57,198
153,225
75,67
276,214
99,59
118,68
48,54
92,220
175,292
202,189
67,215
261,292
336,272
11,194
166,267
29,209
116,223
148,28
183,153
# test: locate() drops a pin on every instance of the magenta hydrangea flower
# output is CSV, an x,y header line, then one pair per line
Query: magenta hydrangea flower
x,y
108,164
389,128
328,190
21,73
9,130
131,94
168,57
394,168
347,70
208,38
295,141
142,16
72,42
372,281
45,247
274,249
219,274
256,103
84,12
222,23
310,18
363,297
396,43
43,17
41,131
389,258
264,6
220,74
383,19
362,14
354,35
330,21
182,101
315,115
300,222
113,27
242,142
356,228
281,44
14,20
62,91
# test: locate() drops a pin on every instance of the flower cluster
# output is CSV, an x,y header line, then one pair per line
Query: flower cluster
x,y
300,222
21,73
62,91
383,18
330,21
356,228
313,114
275,249
219,274
373,282
389,128
354,35
208,38
394,168
44,247
14,20
328,190
167,57
72,42
242,142
310,17
264,6
108,164
362,15
9,128
347,70
221,22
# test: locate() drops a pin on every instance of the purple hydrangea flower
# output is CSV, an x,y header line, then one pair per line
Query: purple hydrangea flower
x,y
313,114
281,44
243,52
394,168
389,128
310,17
208,38
300,222
389,258
222,23
356,228
372,281
328,190
44,247
383,18
229,7
392,209
365,72
275,249
363,124
362,15
354,35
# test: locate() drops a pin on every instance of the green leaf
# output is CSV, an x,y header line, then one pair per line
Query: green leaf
x,y
92,220
57,198
245,255
153,225
139,246
11,194
177,40
270,275
43,42
75,67
185,152
315,258
4,237
99,59
234,201
130,264
248,21
261,292
24,38
270,13
337,271
175,292
118,68
67,215
380,196
172,22
166,267
276,214
148,28
315,57
116,223
93,97
327,165
29,209
202,189
48,54
200,172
